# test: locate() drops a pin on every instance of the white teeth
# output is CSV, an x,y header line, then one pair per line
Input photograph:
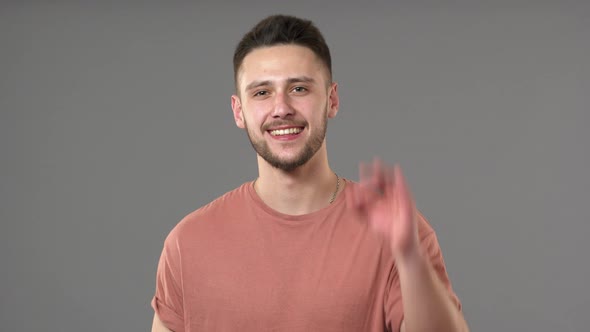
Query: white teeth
x,y
288,131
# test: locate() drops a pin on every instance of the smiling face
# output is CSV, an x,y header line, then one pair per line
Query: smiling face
x,y
284,101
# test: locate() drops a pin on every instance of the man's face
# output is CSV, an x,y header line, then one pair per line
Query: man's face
x,y
284,102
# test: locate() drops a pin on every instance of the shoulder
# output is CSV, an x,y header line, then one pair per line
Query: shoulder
x,y
425,230
211,215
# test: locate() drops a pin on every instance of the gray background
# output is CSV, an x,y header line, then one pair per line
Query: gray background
x,y
116,122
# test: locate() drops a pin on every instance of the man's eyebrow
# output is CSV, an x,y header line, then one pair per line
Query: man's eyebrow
x,y
256,84
299,79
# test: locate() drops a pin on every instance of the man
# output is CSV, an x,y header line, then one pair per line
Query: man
x,y
299,248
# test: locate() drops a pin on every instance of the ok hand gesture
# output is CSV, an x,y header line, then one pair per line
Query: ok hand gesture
x,y
385,199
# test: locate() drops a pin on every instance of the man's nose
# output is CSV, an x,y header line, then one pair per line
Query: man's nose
x,y
282,107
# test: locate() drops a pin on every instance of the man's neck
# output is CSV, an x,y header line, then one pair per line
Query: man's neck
x,y
304,190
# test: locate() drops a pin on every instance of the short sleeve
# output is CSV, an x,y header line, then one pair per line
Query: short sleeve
x,y
168,300
438,263
393,305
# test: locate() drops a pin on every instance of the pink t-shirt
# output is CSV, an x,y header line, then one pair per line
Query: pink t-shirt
x,y
237,265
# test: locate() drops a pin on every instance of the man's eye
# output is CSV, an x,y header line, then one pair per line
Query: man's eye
x,y
299,89
260,93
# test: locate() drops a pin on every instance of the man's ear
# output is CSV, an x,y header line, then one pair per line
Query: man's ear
x,y
333,100
236,106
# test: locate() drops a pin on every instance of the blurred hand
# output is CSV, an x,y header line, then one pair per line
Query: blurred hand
x,y
385,199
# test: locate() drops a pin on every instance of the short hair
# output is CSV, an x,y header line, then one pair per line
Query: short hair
x,y
283,30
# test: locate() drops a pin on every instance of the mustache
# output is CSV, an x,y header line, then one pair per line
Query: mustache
x,y
284,123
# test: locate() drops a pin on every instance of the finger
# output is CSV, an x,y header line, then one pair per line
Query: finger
x,y
353,196
361,193
367,185
364,174
402,189
378,177
389,174
367,196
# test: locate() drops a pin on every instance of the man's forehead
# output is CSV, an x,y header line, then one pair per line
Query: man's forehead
x,y
282,63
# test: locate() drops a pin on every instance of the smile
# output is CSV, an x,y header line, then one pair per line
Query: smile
x,y
286,131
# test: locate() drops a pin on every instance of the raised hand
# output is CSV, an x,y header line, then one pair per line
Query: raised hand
x,y
385,199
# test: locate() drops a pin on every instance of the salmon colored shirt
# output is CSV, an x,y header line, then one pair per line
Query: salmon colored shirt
x,y
237,265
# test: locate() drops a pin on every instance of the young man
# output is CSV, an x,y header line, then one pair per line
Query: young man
x,y
299,248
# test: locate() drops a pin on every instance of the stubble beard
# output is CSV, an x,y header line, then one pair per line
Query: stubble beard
x,y
312,146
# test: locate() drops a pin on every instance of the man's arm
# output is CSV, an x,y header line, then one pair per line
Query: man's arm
x,y
385,199
424,295
168,298
158,326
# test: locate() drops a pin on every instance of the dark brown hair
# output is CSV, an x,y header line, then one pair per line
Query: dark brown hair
x,y
283,30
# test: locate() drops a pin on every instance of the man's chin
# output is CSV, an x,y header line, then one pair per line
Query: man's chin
x,y
287,161
286,164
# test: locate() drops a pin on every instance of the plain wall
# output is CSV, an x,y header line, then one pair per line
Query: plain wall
x,y
116,122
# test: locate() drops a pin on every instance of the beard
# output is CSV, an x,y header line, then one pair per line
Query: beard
x,y
313,144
